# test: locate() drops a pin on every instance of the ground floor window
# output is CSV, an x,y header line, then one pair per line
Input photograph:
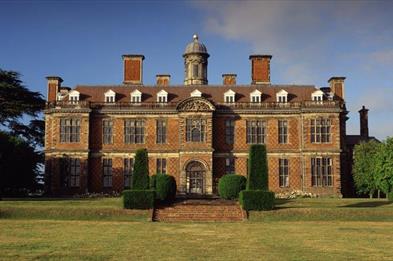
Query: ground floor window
x,y
230,166
107,172
283,172
71,171
128,170
321,172
161,166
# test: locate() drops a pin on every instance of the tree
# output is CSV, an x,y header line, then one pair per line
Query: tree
x,y
16,101
364,172
384,166
257,168
140,177
19,165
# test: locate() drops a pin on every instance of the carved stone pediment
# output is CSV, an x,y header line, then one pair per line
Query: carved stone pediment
x,y
196,104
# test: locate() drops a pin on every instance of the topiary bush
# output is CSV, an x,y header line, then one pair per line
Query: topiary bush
x,y
257,168
140,177
390,196
229,186
165,186
152,182
256,200
138,199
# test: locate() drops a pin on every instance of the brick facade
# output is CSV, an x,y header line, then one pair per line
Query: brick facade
x,y
181,105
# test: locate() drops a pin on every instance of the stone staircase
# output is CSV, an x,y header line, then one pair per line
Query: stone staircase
x,y
200,210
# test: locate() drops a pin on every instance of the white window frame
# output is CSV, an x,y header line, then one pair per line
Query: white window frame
x,y
110,96
136,96
255,96
229,96
282,96
196,93
317,96
74,97
162,96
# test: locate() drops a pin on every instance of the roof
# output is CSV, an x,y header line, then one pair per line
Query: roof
x,y
215,93
356,139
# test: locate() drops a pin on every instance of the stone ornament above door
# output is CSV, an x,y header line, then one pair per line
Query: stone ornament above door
x,y
195,104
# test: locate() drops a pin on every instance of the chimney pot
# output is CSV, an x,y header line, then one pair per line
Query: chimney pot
x,y
163,79
337,86
363,113
54,85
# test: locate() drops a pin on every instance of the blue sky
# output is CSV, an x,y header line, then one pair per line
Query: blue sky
x,y
82,41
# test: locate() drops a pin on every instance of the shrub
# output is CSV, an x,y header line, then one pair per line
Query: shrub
x,y
140,177
153,182
390,196
256,200
229,186
138,199
257,168
165,187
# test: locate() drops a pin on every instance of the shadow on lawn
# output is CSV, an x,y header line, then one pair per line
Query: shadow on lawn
x,y
372,204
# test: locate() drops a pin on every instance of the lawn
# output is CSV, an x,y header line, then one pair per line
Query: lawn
x,y
302,229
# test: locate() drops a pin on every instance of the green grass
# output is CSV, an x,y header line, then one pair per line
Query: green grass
x,y
302,229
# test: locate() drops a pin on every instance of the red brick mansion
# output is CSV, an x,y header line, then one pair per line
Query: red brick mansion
x,y
195,132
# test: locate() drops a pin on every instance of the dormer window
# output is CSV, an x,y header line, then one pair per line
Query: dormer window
x,y
74,97
317,96
162,96
136,96
196,93
255,96
229,96
282,96
110,96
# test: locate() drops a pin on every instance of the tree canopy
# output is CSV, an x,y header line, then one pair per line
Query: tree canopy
x,y
257,168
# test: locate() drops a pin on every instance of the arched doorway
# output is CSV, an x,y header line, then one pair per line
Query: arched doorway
x,y
195,173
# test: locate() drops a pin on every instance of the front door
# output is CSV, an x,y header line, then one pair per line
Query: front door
x,y
195,173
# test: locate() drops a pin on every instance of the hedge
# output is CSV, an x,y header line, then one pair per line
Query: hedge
x,y
229,186
138,199
140,177
256,200
257,168
390,196
165,186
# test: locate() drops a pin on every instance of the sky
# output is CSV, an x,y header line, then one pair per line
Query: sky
x,y
311,41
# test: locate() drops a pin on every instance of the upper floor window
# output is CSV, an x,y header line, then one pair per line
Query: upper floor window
x,y
317,96
110,96
128,170
320,130
161,166
162,96
160,131
136,96
229,96
195,130
107,172
282,96
255,96
229,131
256,131
74,96
134,131
196,93
282,131
321,172
230,165
69,130
283,172
107,131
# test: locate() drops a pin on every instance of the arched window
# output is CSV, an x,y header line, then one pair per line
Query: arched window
x,y
195,130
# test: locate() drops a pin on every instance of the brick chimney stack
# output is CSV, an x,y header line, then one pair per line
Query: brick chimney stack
x,y
260,69
133,68
363,113
163,79
229,79
337,87
54,84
